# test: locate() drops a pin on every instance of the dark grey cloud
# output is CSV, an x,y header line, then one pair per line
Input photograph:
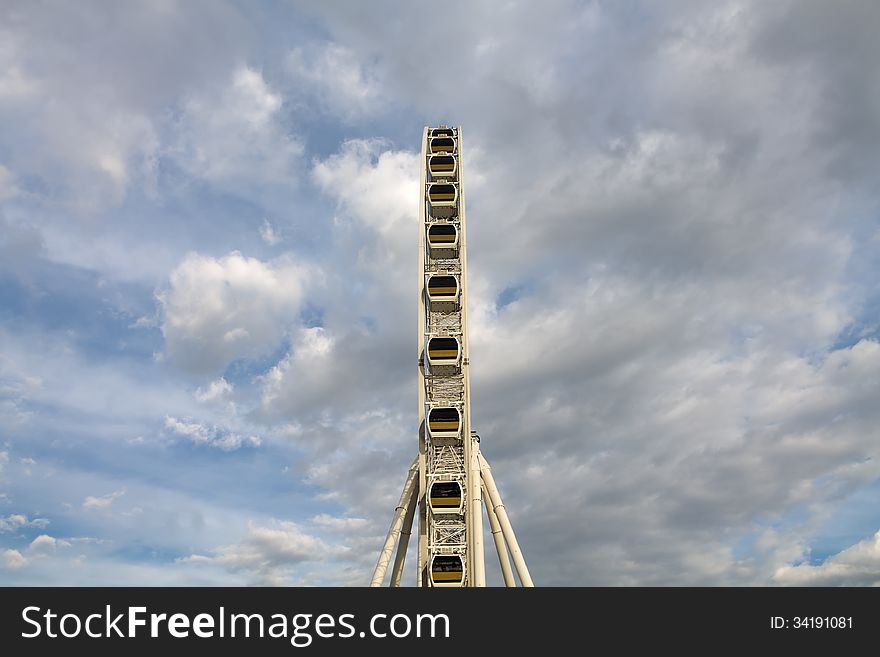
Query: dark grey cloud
x,y
834,46
665,195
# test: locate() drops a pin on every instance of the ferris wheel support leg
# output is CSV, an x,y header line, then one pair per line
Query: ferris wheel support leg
x,y
422,578
498,506
500,546
403,543
477,556
396,523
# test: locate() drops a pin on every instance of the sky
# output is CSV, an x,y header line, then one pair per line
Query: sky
x,y
208,270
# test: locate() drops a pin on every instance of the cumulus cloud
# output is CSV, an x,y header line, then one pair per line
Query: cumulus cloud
x,y
378,185
187,100
102,501
220,309
312,384
90,148
216,391
337,79
42,547
857,565
236,133
334,523
210,436
13,559
18,521
269,553
268,233
376,189
45,544
308,371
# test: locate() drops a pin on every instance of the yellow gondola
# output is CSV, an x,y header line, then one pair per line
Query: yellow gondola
x,y
444,422
442,192
443,292
443,241
442,145
444,355
447,570
442,197
445,497
442,166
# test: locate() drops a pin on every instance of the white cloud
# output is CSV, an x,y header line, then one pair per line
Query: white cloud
x,y
313,384
18,521
91,147
336,77
308,370
377,185
210,436
27,462
270,553
89,104
217,391
47,369
340,524
857,565
220,309
236,134
102,501
45,544
269,234
13,560
15,388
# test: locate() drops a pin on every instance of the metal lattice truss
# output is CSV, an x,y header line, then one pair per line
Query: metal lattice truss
x,y
449,480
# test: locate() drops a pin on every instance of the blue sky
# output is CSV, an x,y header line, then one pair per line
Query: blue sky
x,y
208,230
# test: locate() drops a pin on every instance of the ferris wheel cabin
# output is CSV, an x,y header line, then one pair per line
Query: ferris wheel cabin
x,y
443,293
444,422
442,197
446,497
442,144
447,570
442,166
444,355
443,241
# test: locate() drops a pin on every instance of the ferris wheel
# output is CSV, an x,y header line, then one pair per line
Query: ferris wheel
x,y
450,480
